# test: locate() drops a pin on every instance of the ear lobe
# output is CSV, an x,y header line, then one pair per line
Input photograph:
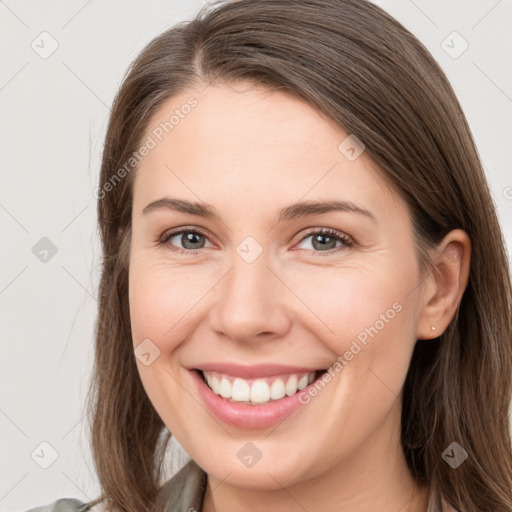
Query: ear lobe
x,y
446,284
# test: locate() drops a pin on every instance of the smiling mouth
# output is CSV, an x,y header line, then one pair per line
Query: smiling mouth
x,y
257,391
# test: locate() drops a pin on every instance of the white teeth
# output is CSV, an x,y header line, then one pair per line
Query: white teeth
x,y
214,383
260,391
225,388
303,382
291,385
277,389
241,391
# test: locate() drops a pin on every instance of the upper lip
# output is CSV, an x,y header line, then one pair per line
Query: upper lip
x,y
252,371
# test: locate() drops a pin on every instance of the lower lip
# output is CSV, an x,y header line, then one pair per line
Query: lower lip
x,y
244,415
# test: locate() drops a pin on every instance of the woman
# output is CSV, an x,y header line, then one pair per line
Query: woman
x,y
304,279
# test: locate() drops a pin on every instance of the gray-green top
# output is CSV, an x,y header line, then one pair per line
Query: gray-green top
x,y
182,493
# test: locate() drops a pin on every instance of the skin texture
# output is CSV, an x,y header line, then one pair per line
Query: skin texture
x,y
249,152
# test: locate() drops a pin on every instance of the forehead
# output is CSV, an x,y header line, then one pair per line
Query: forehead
x,y
253,145
230,121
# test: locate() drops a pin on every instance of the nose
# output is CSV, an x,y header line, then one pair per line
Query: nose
x,y
251,303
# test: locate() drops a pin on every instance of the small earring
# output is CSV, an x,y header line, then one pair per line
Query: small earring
x,y
433,328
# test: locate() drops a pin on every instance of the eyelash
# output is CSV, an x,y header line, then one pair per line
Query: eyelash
x,y
332,233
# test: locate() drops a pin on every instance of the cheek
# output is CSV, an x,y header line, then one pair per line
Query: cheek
x,y
163,301
344,305
160,311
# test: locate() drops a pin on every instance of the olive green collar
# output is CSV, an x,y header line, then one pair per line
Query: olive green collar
x,y
184,491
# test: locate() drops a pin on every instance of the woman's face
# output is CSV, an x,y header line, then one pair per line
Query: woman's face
x,y
261,295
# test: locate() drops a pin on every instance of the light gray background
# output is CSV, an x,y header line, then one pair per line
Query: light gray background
x,y
53,114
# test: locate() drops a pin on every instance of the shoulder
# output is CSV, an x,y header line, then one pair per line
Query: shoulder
x,y
184,491
62,505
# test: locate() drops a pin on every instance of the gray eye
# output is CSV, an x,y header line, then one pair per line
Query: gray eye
x,y
320,242
190,240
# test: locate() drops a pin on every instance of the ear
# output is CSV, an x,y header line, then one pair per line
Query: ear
x,y
442,290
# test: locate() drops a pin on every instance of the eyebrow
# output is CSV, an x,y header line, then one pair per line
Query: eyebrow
x,y
290,212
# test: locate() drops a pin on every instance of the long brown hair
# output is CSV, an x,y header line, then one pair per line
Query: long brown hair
x,y
358,65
